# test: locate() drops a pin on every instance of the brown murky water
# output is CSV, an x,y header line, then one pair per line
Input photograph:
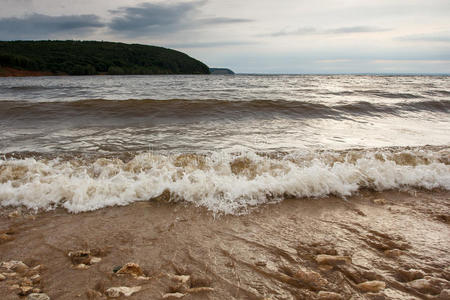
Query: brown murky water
x,y
399,238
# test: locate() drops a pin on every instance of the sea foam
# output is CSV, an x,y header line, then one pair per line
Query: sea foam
x,y
227,182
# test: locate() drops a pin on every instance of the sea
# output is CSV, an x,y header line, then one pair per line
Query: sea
x,y
228,143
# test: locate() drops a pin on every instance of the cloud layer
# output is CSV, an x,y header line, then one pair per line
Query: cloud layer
x,y
330,31
254,35
38,26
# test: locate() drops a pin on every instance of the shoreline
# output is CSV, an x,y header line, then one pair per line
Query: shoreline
x,y
398,239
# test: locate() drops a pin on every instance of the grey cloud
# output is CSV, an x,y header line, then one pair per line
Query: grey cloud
x,y
156,18
43,26
430,37
210,44
299,31
356,29
148,17
222,20
339,30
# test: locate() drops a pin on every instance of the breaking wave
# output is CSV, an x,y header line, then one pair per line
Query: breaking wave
x,y
227,182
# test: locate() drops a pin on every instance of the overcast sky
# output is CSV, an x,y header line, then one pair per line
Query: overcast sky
x,y
255,36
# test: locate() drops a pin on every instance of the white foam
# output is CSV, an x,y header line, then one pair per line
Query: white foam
x,y
209,180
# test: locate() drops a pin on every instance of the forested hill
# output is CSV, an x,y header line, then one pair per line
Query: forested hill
x,y
92,57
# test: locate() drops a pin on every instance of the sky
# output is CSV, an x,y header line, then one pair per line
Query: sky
x,y
255,36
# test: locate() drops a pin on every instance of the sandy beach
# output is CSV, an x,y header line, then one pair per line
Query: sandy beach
x,y
327,248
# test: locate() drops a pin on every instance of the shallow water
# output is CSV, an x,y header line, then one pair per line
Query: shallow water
x,y
224,142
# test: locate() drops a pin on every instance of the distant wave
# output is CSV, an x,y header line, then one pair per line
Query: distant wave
x,y
201,109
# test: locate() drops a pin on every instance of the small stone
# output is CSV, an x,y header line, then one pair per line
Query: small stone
x,y
427,285
410,275
15,265
325,268
2,277
173,295
329,296
260,263
393,253
116,292
372,286
37,268
333,260
80,257
379,201
202,289
180,278
80,267
5,237
38,296
11,275
95,260
14,214
36,290
311,278
14,287
25,290
26,282
36,278
132,269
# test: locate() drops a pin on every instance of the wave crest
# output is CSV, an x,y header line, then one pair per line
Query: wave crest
x,y
224,182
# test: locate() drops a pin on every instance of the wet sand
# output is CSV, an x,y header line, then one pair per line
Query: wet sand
x,y
401,239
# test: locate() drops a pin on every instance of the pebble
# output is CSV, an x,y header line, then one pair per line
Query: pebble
x,y
393,253
427,285
180,278
25,290
325,268
329,296
2,277
200,289
26,282
80,267
132,269
6,237
80,257
311,278
372,286
15,265
379,201
173,295
38,296
116,292
410,275
14,214
333,260
95,260
36,278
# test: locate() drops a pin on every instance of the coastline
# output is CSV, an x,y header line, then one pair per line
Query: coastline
x,y
11,72
401,239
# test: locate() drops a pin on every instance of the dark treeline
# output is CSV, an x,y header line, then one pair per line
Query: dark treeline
x,y
91,58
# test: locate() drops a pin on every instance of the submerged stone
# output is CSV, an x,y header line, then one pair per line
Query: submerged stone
x,y
372,286
116,292
333,260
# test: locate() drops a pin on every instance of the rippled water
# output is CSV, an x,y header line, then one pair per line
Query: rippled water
x,y
194,113
224,142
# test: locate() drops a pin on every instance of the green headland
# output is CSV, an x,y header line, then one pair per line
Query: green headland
x,y
92,58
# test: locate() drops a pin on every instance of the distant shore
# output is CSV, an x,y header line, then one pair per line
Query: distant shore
x,y
11,72
390,245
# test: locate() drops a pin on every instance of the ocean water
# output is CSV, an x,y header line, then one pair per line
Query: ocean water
x,y
228,143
